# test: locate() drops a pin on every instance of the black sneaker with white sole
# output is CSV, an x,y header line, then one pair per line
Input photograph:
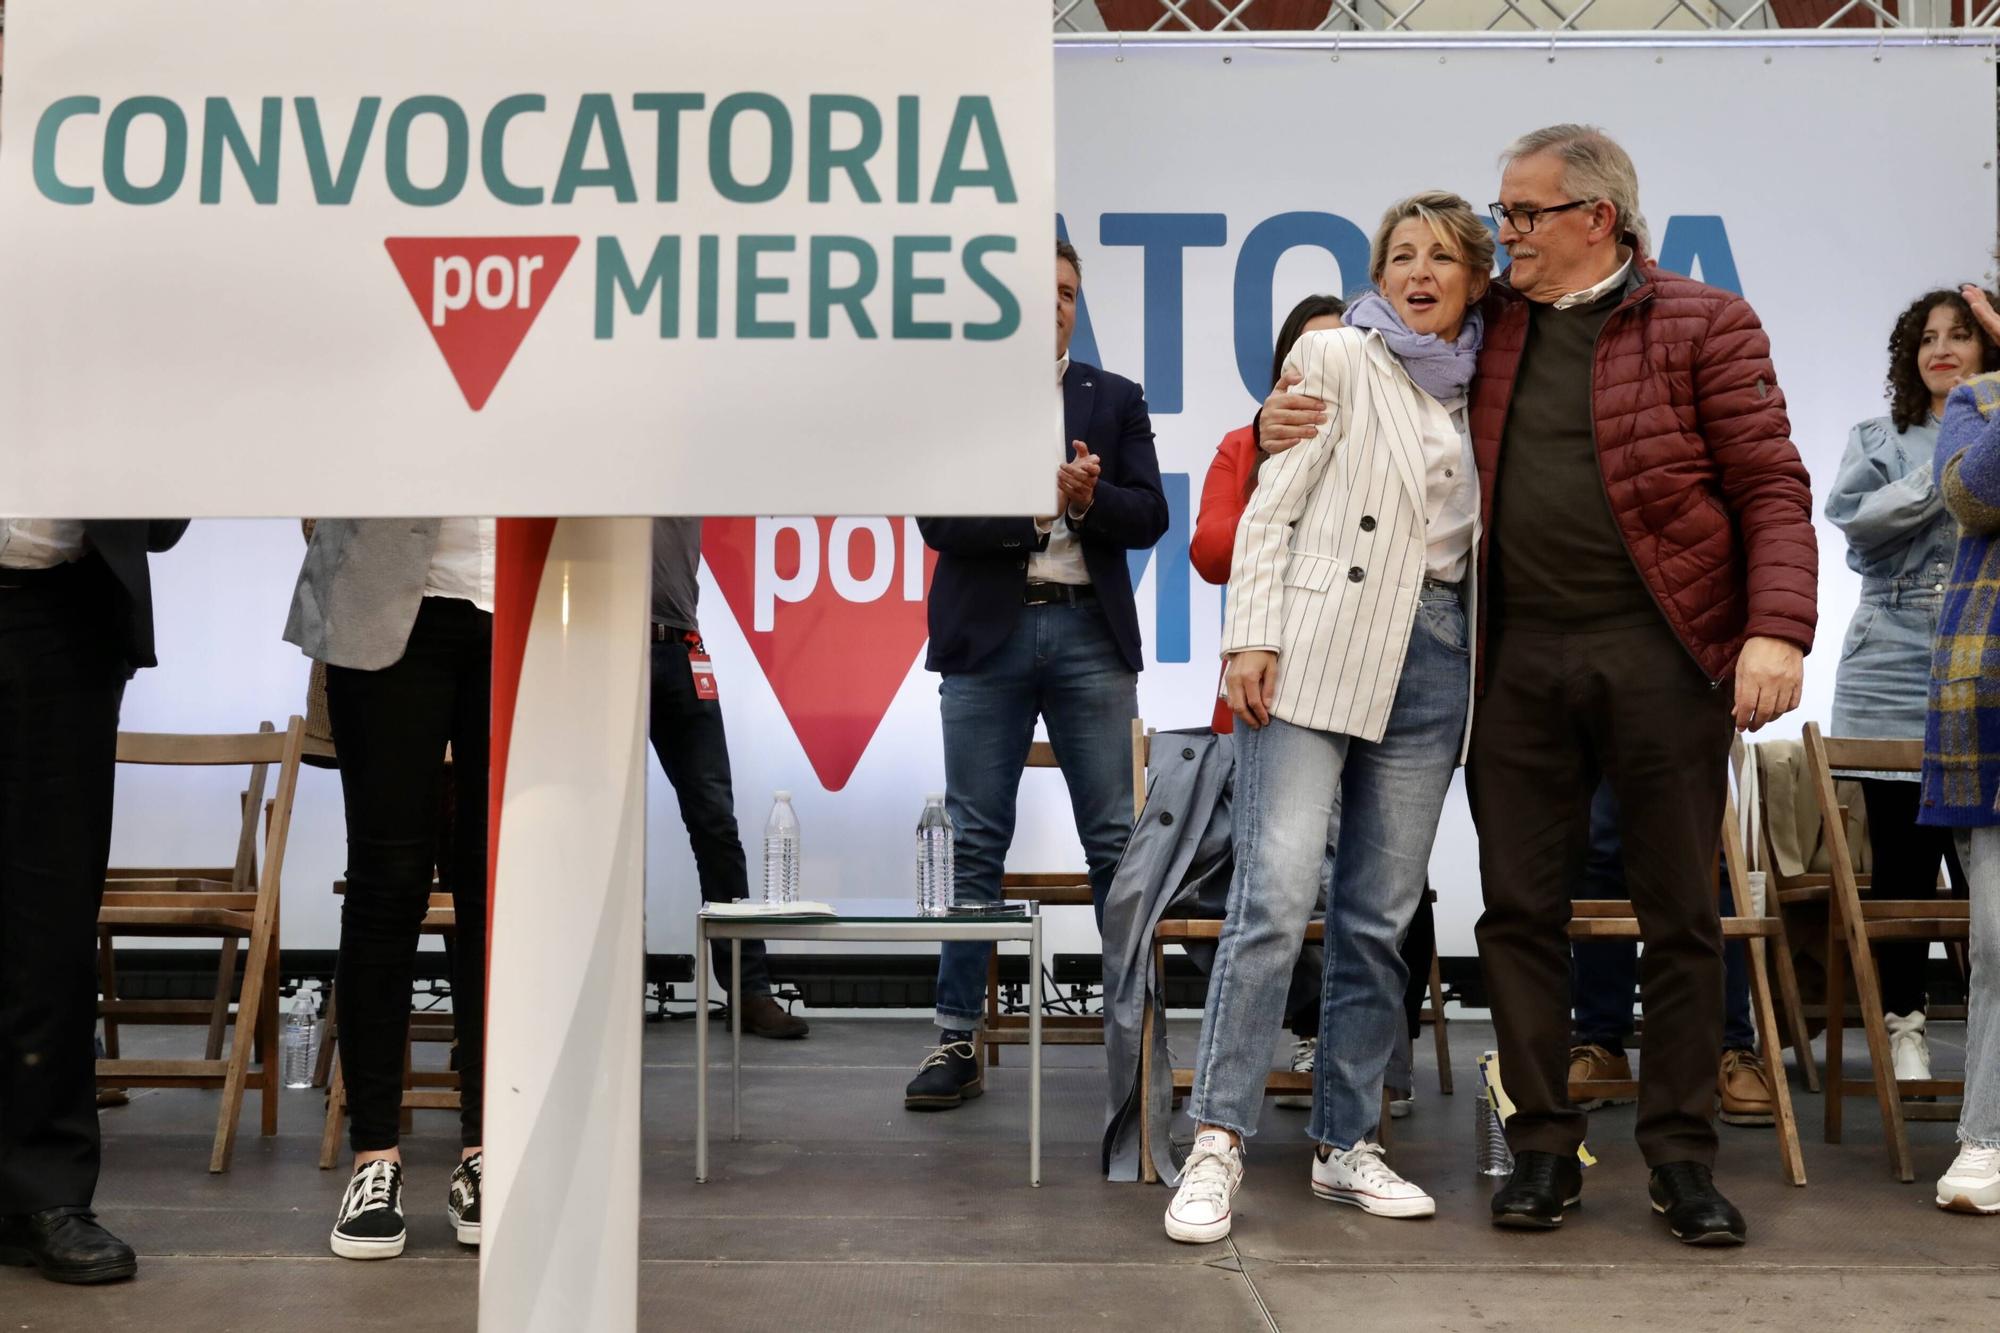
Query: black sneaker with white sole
x,y
463,1209
948,1076
370,1225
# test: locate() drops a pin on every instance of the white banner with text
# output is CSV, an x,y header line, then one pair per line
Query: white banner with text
x,y
361,257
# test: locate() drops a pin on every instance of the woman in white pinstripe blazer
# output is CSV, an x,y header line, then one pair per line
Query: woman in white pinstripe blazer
x,y
1349,663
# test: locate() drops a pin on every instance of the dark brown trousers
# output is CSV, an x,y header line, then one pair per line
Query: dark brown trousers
x,y
1561,710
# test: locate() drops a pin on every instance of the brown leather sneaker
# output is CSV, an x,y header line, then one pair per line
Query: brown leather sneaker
x,y
1744,1090
1593,1062
765,1017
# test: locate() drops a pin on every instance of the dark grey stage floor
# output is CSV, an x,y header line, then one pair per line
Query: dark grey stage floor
x,y
839,1211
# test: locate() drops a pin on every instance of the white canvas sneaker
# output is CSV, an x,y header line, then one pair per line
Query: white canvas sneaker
x,y
1907,1047
1303,1051
1200,1210
1972,1185
1360,1177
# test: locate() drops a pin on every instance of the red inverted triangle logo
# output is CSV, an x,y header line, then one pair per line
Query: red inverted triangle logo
x,y
479,296
841,604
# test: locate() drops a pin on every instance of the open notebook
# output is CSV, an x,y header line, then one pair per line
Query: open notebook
x,y
756,907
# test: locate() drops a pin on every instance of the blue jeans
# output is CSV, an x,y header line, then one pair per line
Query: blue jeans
x,y
1979,1117
1296,788
1605,973
1061,665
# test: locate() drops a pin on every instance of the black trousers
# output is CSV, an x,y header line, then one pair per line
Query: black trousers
x,y
688,737
390,728
1560,712
62,679
1905,866
1604,973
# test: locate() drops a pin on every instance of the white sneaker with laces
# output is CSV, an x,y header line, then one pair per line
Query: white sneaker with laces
x,y
1972,1185
1303,1051
1907,1047
1360,1177
1200,1212
370,1225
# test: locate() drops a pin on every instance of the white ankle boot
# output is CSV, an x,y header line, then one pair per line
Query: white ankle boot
x,y
1907,1047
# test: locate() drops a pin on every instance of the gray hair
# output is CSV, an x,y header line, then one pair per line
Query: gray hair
x,y
1593,167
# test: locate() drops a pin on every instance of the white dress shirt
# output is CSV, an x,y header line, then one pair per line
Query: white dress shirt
x,y
1061,560
1451,489
462,565
1605,288
40,543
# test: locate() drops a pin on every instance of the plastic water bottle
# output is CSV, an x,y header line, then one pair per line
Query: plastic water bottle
x,y
935,884
1490,1153
301,1026
781,853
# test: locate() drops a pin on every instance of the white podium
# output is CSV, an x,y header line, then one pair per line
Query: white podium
x,y
566,962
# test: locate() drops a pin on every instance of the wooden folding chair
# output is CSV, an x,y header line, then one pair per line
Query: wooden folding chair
x,y
238,906
1854,926
1433,1012
423,1089
1057,889
1617,919
1278,1083
115,1012
1809,893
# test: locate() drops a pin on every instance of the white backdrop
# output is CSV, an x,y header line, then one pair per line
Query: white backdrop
x,y
1844,185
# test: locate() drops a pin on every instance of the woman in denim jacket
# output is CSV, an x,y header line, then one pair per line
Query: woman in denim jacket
x,y
1900,540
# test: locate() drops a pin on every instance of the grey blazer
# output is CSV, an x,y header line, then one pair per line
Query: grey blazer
x,y
360,588
1179,860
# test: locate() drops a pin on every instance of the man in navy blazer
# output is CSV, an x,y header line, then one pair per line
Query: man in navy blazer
x,y
1034,617
76,620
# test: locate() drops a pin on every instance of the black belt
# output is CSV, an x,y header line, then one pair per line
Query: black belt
x,y
673,634
1049,594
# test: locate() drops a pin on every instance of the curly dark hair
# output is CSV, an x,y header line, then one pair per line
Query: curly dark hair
x,y
1909,400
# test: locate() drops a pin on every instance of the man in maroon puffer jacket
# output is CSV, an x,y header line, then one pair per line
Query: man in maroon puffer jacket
x,y
1650,574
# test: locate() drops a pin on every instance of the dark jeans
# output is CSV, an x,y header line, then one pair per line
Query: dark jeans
x,y
61,682
390,728
1905,866
1604,973
1561,713
688,737
1061,665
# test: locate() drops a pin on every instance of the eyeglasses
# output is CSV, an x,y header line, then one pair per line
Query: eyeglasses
x,y
1523,219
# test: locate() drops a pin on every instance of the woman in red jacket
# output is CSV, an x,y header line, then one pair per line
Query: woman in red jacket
x,y
1233,473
